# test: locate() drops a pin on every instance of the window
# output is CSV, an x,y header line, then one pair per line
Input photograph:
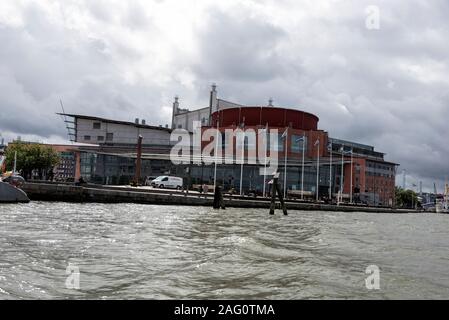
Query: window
x,y
87,138
100,138
109,136
179,126
97,125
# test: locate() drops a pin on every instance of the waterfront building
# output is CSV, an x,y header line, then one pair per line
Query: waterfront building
x,y
356,170
107,152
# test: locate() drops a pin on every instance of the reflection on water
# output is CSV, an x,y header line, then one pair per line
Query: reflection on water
x,y
128,251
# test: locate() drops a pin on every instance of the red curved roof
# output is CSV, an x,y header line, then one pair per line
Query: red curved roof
x,y
275,117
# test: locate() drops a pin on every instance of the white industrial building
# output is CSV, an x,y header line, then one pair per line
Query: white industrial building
x,y
101,131
184,118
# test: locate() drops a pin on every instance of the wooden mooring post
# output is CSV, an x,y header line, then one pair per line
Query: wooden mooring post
x,y
218,198
275,188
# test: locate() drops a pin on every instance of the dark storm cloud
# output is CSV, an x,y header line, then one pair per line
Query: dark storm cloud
x,y
386,87
43,61
239,48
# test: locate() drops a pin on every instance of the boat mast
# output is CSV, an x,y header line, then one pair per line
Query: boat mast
x,y
15,162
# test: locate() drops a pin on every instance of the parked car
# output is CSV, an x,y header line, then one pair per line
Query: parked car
x,y
167,182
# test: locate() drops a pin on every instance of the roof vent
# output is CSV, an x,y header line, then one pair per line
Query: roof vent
x,y
144,122
136,121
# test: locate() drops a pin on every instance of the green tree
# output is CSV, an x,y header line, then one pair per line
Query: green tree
x,y
405,198
31,157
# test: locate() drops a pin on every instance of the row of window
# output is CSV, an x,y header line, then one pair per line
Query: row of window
x,y
382,167
109,137
378,174
297,143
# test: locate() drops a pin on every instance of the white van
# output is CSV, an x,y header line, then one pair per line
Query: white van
x,y
167,182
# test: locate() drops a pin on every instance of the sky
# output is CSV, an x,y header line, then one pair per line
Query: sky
x,y
374,72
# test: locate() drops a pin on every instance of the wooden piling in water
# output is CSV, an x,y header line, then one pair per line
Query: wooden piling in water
x,y
218,199
275,188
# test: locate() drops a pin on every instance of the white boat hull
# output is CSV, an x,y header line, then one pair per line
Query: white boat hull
x,y
441,208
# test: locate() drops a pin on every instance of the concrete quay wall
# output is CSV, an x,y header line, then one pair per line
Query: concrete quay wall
x,y
104,194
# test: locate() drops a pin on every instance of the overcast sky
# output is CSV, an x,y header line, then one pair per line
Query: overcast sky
x,y
386,86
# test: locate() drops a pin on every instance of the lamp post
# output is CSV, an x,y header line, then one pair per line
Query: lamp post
x,y
265,131
317,143
216,156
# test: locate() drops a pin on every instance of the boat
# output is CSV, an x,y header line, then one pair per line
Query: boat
x,y
10,191
442,204
12,194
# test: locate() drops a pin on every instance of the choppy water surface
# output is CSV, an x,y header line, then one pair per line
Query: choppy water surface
x,y
128,251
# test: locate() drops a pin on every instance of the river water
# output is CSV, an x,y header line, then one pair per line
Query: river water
x,y
129,251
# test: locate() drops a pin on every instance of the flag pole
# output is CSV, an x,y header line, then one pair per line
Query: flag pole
x,y
302,172
318,170
350,200
285,162
265,164
241,166
342,173
330,173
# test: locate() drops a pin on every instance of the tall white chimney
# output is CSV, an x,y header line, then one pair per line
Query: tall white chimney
x,y
174,112
213,102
